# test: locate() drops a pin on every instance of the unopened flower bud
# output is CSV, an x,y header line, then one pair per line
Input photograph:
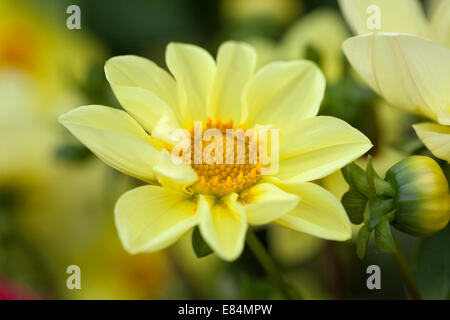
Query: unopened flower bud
x,y
422,199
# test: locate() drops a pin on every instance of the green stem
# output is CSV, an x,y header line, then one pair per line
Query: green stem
x,y
407,275
269,266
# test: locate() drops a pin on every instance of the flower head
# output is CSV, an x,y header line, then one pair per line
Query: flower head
x,y
203,99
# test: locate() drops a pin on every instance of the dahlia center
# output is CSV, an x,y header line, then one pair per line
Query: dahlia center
x,y
225,158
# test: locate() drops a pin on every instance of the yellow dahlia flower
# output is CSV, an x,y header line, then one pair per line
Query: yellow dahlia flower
x,y
407,69
222,199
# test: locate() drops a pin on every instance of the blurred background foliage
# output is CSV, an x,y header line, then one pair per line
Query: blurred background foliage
x,y
56,199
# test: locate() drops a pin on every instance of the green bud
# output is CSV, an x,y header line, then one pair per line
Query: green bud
x,y
422,199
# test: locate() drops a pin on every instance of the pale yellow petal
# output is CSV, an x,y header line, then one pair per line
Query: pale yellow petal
x,y
436,138
134,71
172,174
143,105
114,137
405,16
407,71
223,225
236,62
444,117
282,93
151,218
440,21
194,70
164,129
264,203
318,213
317,147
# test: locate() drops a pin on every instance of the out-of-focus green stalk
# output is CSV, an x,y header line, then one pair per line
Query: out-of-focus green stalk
x,y
269,266
406,273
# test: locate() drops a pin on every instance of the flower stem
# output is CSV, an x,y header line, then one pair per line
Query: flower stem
x,y
269,266
406,273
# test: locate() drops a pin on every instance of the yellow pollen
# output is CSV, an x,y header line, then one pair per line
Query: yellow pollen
x,y
224,178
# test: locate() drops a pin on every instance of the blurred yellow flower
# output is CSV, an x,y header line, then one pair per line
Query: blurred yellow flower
x,y
40,45
222,199
109,273
408,71
281,11
322,30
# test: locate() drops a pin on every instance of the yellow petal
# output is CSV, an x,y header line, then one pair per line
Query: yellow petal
x,y
138,72
440,21
223,225
114,137
173,175
194,70
265,202
164,129
405,16
436,138
318,213
151,218
444,117
407,71
235,65
282,93
316,147
143,105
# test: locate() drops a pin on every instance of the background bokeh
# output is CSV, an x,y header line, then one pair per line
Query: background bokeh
x,y
56,198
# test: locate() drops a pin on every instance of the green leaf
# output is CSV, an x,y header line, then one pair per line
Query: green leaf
x,y
383,236
356,178
376,209
361,241
378,185
433,267
199,245
354,204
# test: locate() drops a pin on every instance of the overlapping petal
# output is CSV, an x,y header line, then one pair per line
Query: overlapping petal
x,y
318,213
172,174
223,225
236,63
150,218
405,16
282,93
436,138
265,202
316,147
142,88
408,71
114,137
